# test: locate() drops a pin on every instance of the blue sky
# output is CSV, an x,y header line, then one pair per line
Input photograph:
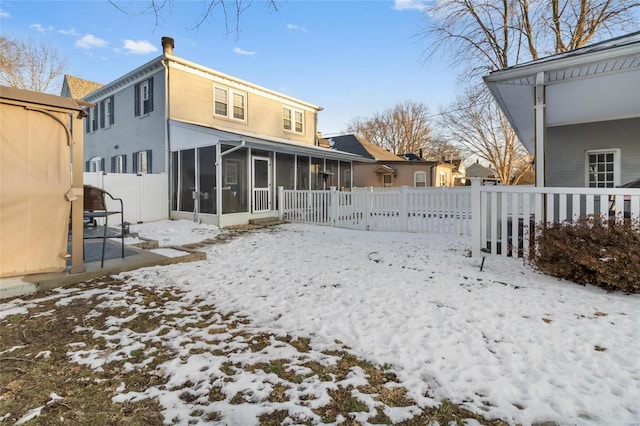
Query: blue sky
x,y
353,58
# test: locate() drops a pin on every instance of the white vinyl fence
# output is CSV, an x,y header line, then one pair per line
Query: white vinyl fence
x,y
500,219
505,217
144,197
397,209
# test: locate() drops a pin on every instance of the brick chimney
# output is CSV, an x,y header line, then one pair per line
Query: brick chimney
x,y
167,45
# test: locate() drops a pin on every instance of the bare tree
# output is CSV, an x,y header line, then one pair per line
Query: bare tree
x,y
484,36
231,10
479,126
403,129
27,64
490,35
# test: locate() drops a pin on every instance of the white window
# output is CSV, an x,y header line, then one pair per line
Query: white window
x,y
386,180
293,120
221,102
118,164
238,106
106,113
229,103
96,164
142,162
603,168
94,119
143,97
443,178
420,179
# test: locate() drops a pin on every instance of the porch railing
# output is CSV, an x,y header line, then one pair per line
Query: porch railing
x,y
261,200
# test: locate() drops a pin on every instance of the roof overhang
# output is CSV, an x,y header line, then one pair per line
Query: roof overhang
x,y
595,83
271,144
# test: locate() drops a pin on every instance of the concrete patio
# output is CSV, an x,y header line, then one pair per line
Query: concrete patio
x,y
138,253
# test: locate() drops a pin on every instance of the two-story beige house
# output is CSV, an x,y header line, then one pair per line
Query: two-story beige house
x,y
225,144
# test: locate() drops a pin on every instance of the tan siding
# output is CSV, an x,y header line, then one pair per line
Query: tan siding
x,y
192,102
364,174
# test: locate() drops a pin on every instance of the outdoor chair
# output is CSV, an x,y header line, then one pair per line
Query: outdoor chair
x,y
96,207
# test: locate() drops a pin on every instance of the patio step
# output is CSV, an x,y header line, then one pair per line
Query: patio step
x,y
266,221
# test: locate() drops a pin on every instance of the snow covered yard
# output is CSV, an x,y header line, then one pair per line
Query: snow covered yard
x,y
273,325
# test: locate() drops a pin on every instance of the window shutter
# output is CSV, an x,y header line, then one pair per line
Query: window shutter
x,y
87,121
102,114
135,162
136,100
111,111
150,108
149,170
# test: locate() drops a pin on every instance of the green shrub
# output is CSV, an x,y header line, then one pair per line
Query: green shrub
x,y
593,250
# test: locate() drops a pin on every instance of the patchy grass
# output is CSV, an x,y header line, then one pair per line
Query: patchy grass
x,y
51,348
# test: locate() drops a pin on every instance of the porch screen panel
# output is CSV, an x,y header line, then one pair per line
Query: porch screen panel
x,y
317,165
285,172
235,185
187,179
303,173
207,179
345,175
332,167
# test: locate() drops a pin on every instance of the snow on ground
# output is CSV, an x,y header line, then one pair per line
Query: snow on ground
x,y
506,342
175,232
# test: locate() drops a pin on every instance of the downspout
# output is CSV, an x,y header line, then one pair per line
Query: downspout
x,y
167,47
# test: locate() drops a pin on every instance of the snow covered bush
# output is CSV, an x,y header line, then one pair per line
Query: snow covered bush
x,y
593,250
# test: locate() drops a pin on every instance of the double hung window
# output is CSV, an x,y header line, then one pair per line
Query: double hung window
x,y
229,103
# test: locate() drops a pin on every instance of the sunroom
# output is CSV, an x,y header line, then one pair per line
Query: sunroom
x,y
227,179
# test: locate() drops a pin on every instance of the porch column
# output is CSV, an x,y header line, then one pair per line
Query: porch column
x,y
540,131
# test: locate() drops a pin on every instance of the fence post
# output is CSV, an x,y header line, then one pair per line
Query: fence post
x,y
280,202
404,210
333,211
476,217
366,209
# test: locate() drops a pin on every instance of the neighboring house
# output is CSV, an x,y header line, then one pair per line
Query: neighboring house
x,y
477,170
226,144
578,112
40,180
380,168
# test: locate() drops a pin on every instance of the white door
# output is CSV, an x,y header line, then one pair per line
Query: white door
x,y
261,181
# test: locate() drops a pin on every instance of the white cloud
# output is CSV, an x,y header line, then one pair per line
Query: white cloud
x,y
294,27
40,28
239,51
139,47
420,5
90,41
70,31
4,14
